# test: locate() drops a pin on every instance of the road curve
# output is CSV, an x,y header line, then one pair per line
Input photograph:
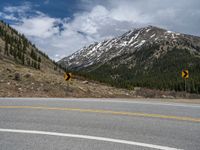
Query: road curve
x,y
34,123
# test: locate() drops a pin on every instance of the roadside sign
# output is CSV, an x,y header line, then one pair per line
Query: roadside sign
x,y
67,76
185,74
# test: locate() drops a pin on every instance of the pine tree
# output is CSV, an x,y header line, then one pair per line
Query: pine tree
x,y
0,49
19,55
24,49
15,53
28,62
35,65
6,48
39,59
32,63
11,50
23,59
38,66
33,55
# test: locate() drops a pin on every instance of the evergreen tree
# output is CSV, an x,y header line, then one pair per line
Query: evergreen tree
x,y
24,49
35,65
0,49
19,55
28,62
33,55
6,48
39,59
11,50
38,67
15,53
23,59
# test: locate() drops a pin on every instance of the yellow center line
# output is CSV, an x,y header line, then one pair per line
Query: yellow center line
x,y
137,114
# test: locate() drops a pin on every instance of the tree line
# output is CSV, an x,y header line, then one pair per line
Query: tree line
x,y
16,46
164,74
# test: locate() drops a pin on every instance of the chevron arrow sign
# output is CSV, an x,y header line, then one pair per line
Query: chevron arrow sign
x,y
185,74
67,76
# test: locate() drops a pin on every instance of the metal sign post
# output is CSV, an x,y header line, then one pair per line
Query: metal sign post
x,y
185,86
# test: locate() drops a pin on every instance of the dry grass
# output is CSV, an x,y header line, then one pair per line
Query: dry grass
x,y
36,83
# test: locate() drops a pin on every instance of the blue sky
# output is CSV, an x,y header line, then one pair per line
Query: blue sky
x,y
61,27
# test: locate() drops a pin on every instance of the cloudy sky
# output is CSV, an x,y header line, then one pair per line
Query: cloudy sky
x,y
61,27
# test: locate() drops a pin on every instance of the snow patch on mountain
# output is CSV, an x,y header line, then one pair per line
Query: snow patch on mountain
x,y
148,30
134,43
140,44
152,35
128,43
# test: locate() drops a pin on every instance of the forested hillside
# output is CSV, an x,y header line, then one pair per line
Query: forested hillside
x,y
165,74
149,57
16,47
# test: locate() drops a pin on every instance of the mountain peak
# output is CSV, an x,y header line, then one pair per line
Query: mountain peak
x,y
129,42
140,57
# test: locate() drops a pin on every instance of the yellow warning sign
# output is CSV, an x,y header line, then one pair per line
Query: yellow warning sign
x,y
67,76
185,74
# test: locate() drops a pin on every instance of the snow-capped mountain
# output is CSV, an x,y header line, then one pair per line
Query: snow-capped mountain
x,y
128,43
149,57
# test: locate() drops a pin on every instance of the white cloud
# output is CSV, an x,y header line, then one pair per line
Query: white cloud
x,y
84,29
39,27
102,20
8,16
18,9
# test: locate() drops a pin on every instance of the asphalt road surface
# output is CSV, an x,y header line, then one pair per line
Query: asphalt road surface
x,y
98,124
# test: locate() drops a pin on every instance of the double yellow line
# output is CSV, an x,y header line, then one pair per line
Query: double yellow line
x,y
136,114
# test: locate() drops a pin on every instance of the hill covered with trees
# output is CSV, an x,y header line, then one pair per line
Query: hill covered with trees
x,y
148,57
17,48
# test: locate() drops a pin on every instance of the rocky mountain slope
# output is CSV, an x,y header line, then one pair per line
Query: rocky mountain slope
x,y
147,57
17,80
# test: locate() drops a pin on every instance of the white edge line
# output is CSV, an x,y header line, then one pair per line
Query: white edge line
x,y
104,100
88,138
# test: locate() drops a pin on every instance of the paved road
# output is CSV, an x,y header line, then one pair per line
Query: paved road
x,y
88,124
